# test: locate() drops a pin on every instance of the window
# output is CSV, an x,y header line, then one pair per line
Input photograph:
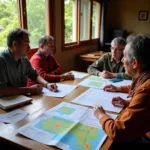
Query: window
x,y
36,20
95,20
81,22
8,20
70,21
34,15
84,20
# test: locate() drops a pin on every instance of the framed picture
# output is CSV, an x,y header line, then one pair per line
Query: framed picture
x,y
143,15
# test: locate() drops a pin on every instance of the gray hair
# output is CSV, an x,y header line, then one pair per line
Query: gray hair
x,y
118,40
140,49
43,39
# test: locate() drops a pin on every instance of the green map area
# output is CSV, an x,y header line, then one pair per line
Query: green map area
x,y
97,79
66,110
66,130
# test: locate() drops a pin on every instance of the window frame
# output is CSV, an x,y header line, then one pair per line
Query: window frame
x,y
78,43
50,19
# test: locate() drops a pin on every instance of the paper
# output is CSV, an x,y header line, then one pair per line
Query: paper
x,y
68,133
13,116
12,101
100,83
95,82
63,90
79,75
93,97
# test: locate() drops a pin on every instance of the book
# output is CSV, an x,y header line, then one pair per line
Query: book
x,y
12,101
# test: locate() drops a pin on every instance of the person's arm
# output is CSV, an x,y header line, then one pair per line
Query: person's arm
x,y
57,67
96,67
44,83
123,76
47,76
35,89
134,121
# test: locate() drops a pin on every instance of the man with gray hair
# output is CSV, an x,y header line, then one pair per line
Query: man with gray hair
x,y
110,64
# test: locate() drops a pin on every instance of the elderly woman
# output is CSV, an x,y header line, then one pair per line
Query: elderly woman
x,y
132,128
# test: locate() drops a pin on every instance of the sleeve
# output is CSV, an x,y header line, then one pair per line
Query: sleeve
x,y
32,73
3,77
123,76
57,68
97,66
48,77
134,121
125,89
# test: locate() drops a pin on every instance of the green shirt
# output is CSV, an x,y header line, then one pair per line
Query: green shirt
x,y
15,73
107,63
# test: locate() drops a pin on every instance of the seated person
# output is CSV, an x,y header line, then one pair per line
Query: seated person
x,y
132,129
16,68
45,63
110,64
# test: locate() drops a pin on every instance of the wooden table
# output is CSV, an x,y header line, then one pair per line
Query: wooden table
x,y
39,105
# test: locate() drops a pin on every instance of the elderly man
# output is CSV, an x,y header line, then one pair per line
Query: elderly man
x,y
15,68
110,64
132,129
45,63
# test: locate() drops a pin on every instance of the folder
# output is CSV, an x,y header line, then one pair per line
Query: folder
x,y
12,101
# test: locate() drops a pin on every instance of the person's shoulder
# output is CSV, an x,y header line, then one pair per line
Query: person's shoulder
x,y
35,56
4,54
106,56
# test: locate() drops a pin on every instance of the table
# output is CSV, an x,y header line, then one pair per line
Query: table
x,y
88,57
39,105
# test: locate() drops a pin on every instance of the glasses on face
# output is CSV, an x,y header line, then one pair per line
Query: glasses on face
x,y
116,49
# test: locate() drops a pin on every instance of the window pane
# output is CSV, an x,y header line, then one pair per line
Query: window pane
x,y
95,20
8,19
70,11
36,20
84,20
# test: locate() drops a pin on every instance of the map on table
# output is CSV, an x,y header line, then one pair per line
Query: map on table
x,y
64,127
95,82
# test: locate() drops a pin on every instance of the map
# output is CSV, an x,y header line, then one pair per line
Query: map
x,y
68,127
77,135
95,82
65,110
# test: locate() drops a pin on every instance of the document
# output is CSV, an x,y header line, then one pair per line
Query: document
x,y
59,127
95,82
100,83
12,101
79,75
13,116
93,97
63,90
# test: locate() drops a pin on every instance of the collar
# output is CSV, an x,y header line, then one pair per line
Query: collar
x,y
11,58
42,55
116,62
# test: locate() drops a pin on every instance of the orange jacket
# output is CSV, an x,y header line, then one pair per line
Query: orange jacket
x,y
134,121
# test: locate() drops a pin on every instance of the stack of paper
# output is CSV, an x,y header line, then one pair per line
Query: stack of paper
x,y
12,101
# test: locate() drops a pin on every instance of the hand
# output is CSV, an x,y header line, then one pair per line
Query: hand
x,y
119,102
52,87
99,112
107,74
35,89
111,88
67,76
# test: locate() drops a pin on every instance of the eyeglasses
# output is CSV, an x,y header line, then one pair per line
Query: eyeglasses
x,y
115,49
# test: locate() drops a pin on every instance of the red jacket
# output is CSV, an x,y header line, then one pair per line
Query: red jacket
x,y
47,67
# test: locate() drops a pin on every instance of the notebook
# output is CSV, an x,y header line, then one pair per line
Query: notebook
x,y
12,101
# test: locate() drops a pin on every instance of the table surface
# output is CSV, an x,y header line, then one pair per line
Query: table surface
x,y
39,105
